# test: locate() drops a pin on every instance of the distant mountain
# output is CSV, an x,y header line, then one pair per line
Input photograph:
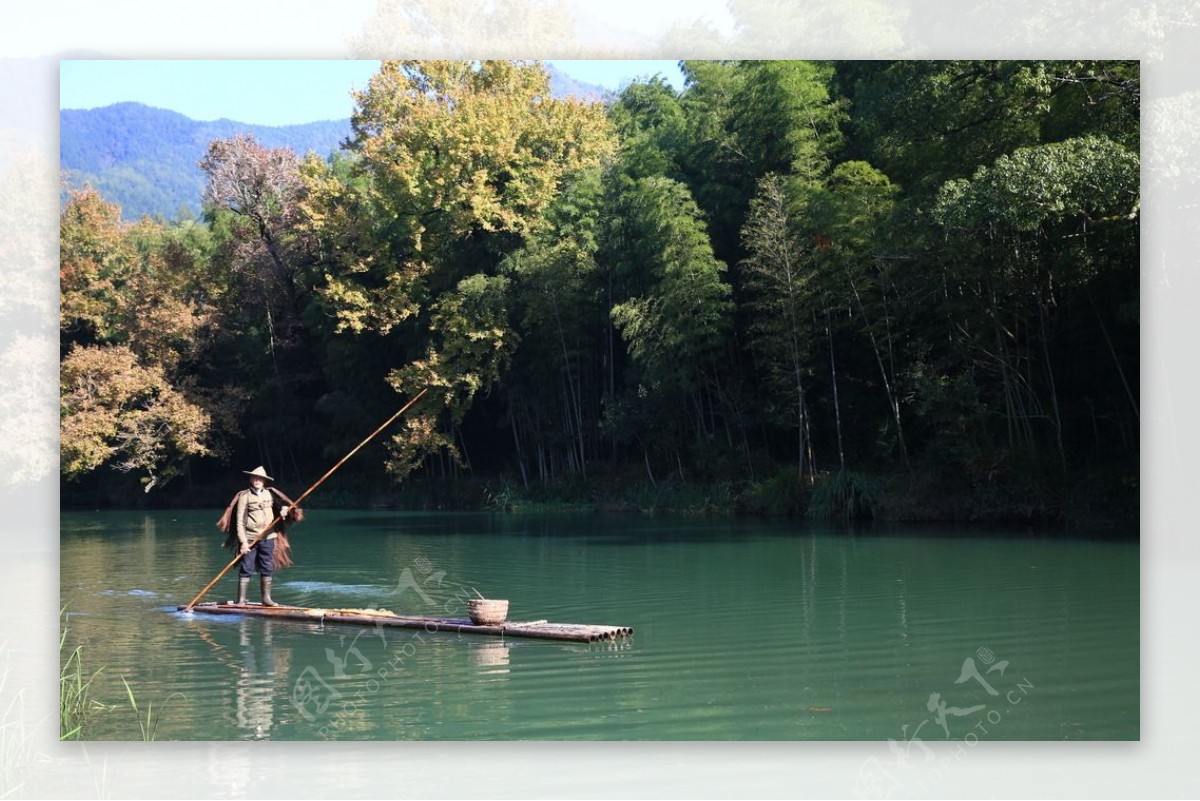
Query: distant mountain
x,y
145,159
563,85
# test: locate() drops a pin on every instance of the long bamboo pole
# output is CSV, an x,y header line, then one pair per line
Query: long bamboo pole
x,y
304,495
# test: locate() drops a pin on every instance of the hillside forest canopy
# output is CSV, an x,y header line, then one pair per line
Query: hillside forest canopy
x,y
903,288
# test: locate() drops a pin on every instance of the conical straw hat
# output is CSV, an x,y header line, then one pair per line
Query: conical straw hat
x,y
258,471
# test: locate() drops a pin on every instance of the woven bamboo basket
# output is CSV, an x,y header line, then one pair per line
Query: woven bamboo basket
x,y
487,611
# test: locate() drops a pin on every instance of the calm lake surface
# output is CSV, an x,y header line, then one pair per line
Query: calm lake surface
x,y
743,630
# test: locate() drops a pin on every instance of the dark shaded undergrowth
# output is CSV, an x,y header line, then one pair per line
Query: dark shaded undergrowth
x,y
1097,498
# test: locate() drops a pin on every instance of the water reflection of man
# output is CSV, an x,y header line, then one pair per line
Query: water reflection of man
x,y
263,666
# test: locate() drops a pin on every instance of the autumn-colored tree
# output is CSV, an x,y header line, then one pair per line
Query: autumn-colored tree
x,y
119,413
130,284
130,317
258,190
259,183
96,263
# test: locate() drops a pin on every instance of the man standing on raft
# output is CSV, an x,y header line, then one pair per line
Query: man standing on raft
x,y
252,510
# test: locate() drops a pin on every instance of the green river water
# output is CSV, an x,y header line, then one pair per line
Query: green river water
x,y
743,630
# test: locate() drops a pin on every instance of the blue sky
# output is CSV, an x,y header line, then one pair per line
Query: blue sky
x,y
272,92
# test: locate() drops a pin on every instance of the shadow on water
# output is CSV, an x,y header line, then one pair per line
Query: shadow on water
x,y
615,530
599,528
414,522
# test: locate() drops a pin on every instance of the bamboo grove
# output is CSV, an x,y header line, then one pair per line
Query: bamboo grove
x,y
787,268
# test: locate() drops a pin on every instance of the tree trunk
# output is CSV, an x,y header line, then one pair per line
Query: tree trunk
x,y
1117,362
649,472
837,409
512,419
887,329
893,401
812,459
1062,453
572,387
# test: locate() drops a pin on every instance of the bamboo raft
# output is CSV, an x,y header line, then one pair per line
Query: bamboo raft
x,y
533,629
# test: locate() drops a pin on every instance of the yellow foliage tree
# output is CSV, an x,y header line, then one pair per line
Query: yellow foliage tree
x,y
130,323
448,160
442,150
116,411
127,284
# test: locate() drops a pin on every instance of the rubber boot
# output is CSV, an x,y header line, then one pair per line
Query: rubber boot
x,y
243,589
266,591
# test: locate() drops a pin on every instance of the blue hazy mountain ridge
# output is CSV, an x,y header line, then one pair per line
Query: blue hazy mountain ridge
x,y
145,159
563,85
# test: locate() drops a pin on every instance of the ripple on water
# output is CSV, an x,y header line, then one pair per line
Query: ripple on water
x,y
746,634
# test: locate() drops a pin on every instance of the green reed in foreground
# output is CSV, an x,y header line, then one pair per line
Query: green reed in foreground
x,y
148,727
74,705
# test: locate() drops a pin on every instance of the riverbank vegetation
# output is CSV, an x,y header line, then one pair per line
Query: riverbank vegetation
x,y
75,705
845,289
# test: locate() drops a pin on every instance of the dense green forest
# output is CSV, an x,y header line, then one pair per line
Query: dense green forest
x,y
901,289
